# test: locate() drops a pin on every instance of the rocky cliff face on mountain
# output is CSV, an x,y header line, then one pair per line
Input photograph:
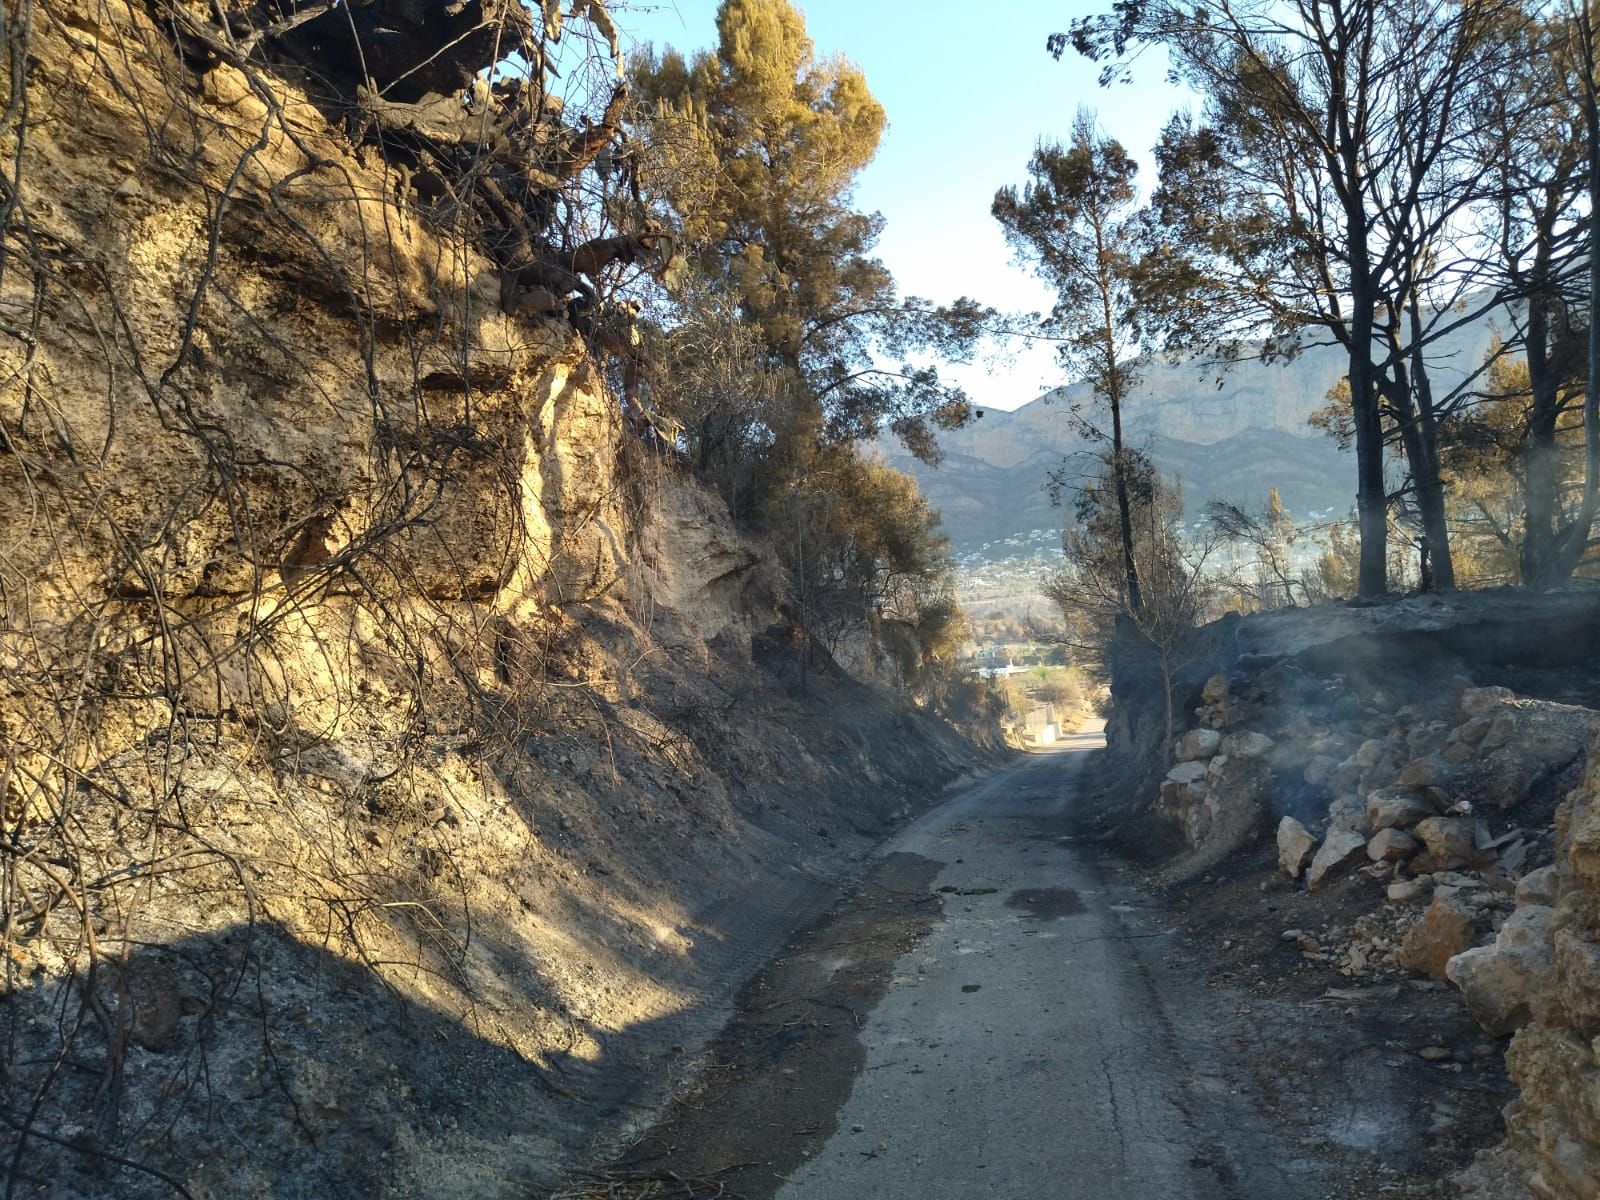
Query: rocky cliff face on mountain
x,y
1224,436
402,761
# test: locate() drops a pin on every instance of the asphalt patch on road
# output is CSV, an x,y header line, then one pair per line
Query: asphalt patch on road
x,y
1045,904
775,1078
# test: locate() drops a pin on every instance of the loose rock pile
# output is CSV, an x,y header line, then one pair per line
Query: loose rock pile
x,y
1428,827
1540,979
1408,802
1437,811
1220,780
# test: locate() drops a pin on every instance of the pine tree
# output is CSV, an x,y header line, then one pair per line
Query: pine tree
x,y
755,152
1077,221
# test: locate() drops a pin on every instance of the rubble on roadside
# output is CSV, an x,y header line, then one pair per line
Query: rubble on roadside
x,y
1445,812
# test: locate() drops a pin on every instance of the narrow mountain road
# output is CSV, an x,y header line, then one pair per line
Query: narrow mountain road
x,y
1029,1040
1020,1042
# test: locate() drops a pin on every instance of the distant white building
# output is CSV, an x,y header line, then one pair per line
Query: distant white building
x,y
1004,672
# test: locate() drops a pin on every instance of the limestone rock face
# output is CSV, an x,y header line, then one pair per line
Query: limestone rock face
x,y
699,566
1583,845
1541,976
1557,1119
1578,982
450,713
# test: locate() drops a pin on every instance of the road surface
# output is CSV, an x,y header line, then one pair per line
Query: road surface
x,y
1022,1037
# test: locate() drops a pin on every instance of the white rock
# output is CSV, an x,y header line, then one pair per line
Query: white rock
x,y
1247,744
1339,848
1187,772
1196,744
1295,846
1405,891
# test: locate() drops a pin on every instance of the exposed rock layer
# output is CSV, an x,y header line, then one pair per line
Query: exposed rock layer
x,y
1541,978
400,761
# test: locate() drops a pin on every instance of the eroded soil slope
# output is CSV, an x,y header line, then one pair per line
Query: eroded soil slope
x,y
401,756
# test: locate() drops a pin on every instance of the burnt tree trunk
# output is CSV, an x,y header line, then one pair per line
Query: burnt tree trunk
x,y
1540,458
1573,540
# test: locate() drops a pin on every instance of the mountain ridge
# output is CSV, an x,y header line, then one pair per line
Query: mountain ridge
x,y
1223,434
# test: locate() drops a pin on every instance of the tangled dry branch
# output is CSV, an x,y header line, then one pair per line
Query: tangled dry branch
x,y
276,535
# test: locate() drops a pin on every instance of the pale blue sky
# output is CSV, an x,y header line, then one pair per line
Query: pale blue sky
x,y
969,90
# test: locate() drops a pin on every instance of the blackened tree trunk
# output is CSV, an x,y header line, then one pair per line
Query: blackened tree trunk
x,y
1119,470
1372,496
1541,479
1573,542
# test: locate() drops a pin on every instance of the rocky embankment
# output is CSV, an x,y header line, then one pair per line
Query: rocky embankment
x,y
403,761
1416,791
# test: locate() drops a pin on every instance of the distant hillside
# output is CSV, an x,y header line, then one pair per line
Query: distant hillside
x,y
1233,440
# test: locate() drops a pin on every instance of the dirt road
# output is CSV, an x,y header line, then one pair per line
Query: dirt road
x,y
992,1014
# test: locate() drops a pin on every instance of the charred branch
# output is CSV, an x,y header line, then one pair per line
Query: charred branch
x,y
409,77
407,49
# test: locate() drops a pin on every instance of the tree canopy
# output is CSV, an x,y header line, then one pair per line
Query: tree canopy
x,y
756,148
782,341
1371,174
1077,221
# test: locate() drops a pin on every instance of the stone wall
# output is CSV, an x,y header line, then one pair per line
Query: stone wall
x,y
1218,790
1540,979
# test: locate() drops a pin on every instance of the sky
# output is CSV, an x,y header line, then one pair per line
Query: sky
x,y
969,90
